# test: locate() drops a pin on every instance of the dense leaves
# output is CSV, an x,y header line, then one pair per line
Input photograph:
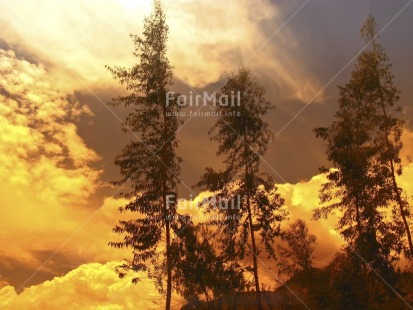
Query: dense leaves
x,y
209,261
363,143
148,164
243,138
298,255
199,270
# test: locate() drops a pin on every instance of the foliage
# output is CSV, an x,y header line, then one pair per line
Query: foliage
x,y
388,127
198,268
148,164
343,284
298,255
363,143
243,137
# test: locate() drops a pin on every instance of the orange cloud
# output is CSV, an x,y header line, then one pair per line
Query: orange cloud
x,y
47,187
45,166
206,41
406,181
406,153
90,286
301,199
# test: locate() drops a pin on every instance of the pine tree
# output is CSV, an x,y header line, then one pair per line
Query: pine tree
x,y
298,255
246,201
364,149
389,127
199,269
149,164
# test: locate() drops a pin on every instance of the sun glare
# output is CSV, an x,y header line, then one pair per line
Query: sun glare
x,y
145,5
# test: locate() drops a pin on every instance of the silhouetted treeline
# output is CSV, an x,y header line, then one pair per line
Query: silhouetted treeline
x,y
340,285
216,264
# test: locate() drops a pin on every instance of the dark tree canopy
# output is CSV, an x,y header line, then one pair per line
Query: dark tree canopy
x,y
199,270
363,143
148,164
298,255
243,137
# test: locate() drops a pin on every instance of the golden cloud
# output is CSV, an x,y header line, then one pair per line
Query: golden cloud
x,y
406,153
46,167
48,182
90,286
206,41
96,285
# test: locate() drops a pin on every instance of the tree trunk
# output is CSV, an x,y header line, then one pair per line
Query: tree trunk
x,y
168,267
251,225
401,207
360,233
167,219
395,186
205,291
254,247
358,221
357,196
168,252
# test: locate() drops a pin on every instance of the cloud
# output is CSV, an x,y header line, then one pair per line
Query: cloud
x,y
96,286
91,242
75,39
48,181
90,286
49,178
47,170
206,41
3,282
406,154
406,181
301,199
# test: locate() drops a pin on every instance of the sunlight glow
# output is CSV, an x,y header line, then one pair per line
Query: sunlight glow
x,y
145,5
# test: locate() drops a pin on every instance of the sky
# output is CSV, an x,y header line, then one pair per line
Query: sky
x,y
59,135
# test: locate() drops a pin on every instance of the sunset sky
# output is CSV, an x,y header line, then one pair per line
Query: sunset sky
x,y
59,136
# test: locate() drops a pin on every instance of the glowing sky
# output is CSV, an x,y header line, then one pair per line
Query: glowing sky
x,y
58,138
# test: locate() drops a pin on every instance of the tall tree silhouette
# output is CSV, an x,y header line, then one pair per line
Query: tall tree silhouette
x,y
148,163
298,255
375,67
359,187
198,269
246,200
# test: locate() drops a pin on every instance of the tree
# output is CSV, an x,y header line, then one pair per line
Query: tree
x,y
350,287
243,137
198,268
148,164
389,127
359,185
298,255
